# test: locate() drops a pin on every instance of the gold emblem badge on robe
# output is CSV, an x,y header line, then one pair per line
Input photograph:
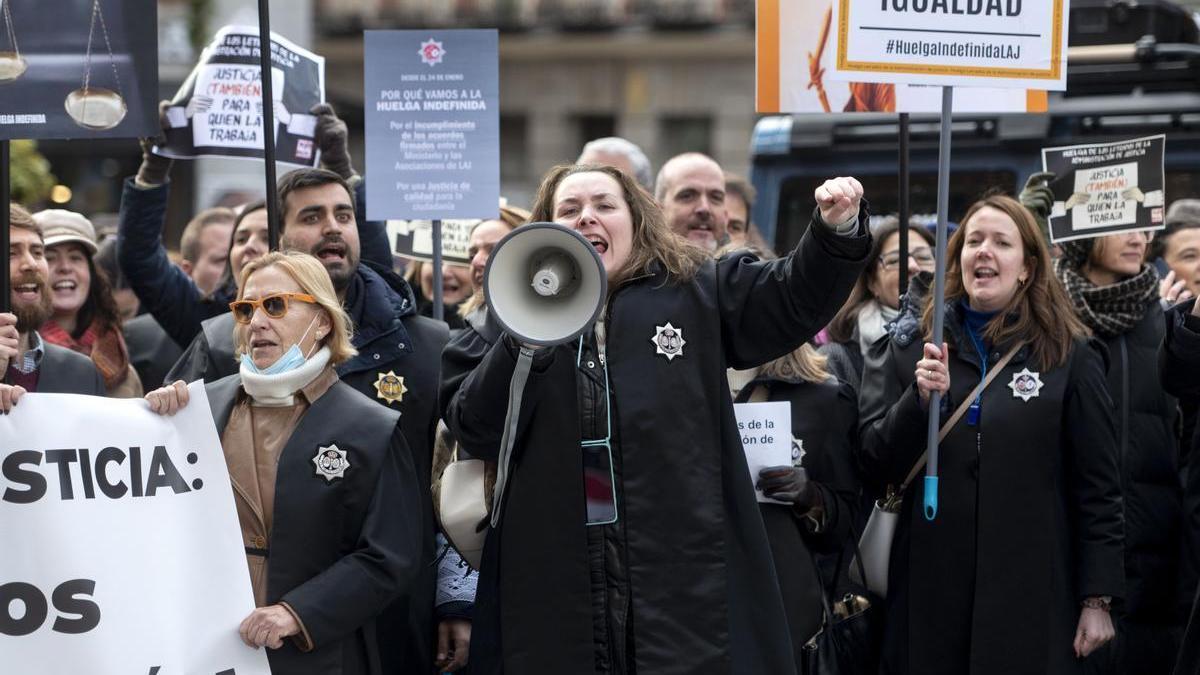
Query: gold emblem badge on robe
x,y
390,387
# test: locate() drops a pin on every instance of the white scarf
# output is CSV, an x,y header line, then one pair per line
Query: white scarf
x,y
279,391
873,320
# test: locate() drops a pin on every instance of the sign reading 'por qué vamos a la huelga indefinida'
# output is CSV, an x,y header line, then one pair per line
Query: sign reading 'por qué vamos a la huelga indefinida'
x,y
981,43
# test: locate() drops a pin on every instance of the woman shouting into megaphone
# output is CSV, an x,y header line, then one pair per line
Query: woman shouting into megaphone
x,y
630,540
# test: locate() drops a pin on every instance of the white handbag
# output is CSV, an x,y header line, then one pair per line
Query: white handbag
x,y
875,545
463,507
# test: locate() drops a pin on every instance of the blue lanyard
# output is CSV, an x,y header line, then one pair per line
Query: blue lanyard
x,y
976,408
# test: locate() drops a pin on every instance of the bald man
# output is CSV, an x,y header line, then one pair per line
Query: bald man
x,y
691,190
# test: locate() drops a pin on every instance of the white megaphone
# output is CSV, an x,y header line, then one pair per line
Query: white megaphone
x,y
545,284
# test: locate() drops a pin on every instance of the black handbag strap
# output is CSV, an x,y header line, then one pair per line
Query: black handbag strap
x,y
828,590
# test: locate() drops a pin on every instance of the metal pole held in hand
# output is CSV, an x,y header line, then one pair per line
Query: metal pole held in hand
x,y
939,298
439,311
5,200
268,105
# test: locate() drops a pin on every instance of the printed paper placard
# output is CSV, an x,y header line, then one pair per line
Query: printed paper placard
x,y
218,111
432,124
1106,188
766,431
413,239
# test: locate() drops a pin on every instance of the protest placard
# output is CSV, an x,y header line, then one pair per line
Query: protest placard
x,y
122,550
973,43
1106,188
766,431
413,239
79,69
432,124
795,43
218,112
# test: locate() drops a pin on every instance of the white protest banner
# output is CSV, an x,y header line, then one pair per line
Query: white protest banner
x,y
795,43
963,43
122,551
217,111
766,431
414,239
1106,188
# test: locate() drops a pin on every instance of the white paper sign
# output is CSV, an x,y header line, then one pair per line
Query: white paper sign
x,y
414,239
1109,200
232,109
122,553
972,43
766,431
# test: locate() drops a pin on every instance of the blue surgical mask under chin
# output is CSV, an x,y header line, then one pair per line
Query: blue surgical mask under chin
x,y
292,359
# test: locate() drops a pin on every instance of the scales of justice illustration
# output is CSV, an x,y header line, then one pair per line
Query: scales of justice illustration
x,y
91,107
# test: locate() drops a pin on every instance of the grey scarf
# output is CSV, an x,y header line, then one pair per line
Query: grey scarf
x,y
873,321
1109,310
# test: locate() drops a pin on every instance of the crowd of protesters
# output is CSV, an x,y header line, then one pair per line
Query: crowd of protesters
x,y
1068,534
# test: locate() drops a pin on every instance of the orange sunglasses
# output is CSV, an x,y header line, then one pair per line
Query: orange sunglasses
x,y
274,305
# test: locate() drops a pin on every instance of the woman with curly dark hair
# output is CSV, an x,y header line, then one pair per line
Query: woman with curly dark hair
x,y
86,318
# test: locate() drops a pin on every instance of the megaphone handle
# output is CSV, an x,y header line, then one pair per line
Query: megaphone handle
x,y
516,391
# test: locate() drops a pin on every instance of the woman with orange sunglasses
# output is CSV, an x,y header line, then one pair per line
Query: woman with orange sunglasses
x,y
322,477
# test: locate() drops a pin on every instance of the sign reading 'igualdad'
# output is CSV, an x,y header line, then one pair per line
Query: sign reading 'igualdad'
x,y
122,551
974,43
795,43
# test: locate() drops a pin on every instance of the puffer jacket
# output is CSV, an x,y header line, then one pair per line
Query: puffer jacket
x,y
1148,454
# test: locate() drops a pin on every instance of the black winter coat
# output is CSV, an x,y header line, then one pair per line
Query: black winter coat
x,y
1148,455
825,443
845,360
151,351
390,338
690,573
1179,368
1029,521
340,551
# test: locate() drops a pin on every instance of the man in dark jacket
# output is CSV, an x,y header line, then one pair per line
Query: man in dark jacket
x,y
168,292
397,366
1179,367
28,363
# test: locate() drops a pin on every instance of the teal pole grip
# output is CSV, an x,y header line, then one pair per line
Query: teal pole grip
x,y
931,497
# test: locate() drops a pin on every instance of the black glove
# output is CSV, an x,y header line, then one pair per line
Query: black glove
x,y
1039,199
333,140
154,168
789,484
